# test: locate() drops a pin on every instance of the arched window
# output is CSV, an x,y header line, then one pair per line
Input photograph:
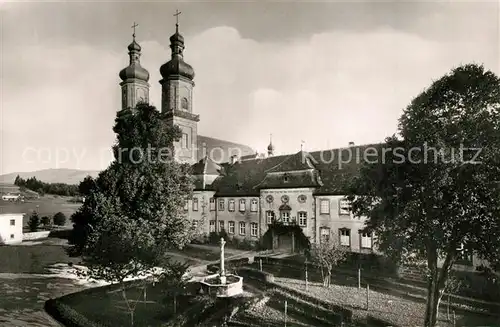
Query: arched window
x,y
184,104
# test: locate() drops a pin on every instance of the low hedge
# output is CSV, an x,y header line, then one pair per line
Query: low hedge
x,y
375,322
298,312
66,315
230,265
303,307
267,280
256,274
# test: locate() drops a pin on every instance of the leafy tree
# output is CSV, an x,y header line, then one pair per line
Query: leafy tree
x,y
328,254
86,185
45,221
428,195
134,211
59,219
34,222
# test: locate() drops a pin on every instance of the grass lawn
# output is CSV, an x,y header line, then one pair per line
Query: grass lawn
x,y
22,299
32,259
107,305
46,206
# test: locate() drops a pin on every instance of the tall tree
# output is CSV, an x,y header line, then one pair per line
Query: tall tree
x,y
435,188
133,213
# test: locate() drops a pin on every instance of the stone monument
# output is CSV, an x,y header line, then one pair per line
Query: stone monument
x,y
222,284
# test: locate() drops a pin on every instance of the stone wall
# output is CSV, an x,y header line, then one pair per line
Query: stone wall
x,y
35,235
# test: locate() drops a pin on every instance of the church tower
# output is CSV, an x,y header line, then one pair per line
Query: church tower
x,y
135,87
177,99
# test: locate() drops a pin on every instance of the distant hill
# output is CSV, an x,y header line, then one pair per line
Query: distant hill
x,y
60,175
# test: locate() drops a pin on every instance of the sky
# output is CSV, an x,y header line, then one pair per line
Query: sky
x,y
326,73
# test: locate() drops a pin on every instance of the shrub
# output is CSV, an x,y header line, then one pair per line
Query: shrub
x,y
45,221
34,222
67,316
59,219
256,274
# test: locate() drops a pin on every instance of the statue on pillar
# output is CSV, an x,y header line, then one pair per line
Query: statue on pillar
x,y
222,270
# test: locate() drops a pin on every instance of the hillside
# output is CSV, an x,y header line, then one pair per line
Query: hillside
x,y
61,175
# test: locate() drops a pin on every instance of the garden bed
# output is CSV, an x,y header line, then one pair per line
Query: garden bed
x,y
390,308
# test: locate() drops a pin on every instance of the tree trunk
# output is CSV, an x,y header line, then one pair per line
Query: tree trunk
x,y
436,285
130,309
175,304
323,276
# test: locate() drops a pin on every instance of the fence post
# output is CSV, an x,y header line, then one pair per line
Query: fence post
x,y
307,284
285,311
367,297
260,262
359,278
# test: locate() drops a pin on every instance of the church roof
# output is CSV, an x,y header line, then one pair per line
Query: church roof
x,y
328,171
220,150
206,166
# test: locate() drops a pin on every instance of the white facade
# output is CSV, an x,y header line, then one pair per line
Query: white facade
x,y
11,228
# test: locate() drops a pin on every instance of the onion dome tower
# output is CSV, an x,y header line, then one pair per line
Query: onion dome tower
x,y
177,99
135,87
270,147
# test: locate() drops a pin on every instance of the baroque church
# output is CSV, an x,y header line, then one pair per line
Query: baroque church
x,y
241,192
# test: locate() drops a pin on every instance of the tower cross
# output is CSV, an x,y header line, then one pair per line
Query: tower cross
x,y
177,13
134,26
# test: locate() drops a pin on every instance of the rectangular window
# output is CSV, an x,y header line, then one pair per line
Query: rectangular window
x,y
186,205
212,204
231,227
242,228
221,204
212,226
230,206
270,217
366,240
285,217
242,205
324,208
195,204
253,229
345,237
184,141
253,205
302,218
325,234
13,222
344,207
11,236
221,225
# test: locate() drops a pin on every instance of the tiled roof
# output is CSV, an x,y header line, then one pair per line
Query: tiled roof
x,y
206,166
220,150
333,170
294,162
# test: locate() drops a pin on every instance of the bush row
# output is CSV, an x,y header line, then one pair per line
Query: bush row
x,y
268,280
298,312
230,266
305,309
66,315
233,242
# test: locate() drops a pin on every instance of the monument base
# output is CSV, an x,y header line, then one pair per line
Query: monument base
x,y
214,285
